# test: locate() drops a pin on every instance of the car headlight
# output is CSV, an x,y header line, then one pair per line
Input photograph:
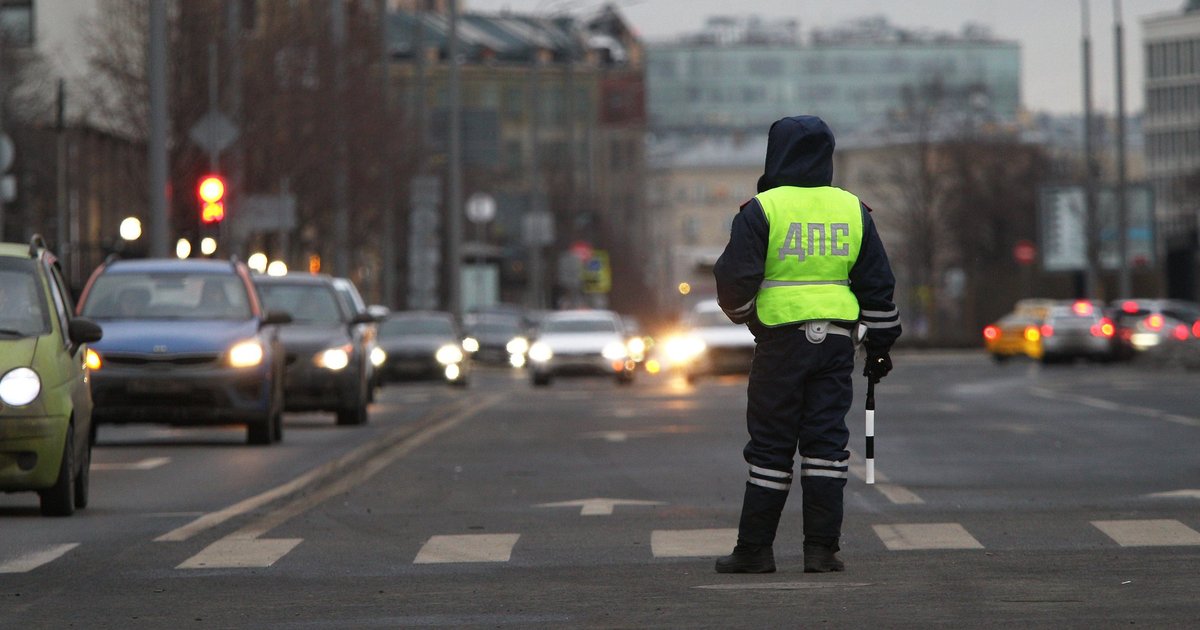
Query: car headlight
x,y
517,345
637,346
681,350
378,356
449,354
614,351
92,360
470,344
246,354
20,387
333,358
540,352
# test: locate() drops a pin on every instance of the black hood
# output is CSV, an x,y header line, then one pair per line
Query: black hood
x,y
799,153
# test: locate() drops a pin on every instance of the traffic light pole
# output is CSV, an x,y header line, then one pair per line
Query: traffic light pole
x,y
157,149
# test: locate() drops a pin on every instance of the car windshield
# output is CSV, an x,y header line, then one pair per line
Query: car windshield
x,y
306,302
495,328
23,311
579,326
168,295
416,327
708,319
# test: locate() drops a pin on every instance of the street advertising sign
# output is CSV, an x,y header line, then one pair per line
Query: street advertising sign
x,y
1063,219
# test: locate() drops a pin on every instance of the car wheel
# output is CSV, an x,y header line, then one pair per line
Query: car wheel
x,y
83,479
541,380
999,358
625,378
357,413
261,432
59,499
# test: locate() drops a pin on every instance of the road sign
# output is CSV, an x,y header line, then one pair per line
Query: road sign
x,y
1024,252
597,276
214,132
481,208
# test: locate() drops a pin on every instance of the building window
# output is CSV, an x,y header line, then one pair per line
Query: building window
x,y
16,22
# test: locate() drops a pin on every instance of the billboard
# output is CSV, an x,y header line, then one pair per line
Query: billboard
x,y
1063,220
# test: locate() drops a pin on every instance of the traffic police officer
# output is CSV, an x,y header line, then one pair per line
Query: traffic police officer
x,y
805,269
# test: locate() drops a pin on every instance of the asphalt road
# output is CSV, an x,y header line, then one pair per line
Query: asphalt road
x,y
1010,495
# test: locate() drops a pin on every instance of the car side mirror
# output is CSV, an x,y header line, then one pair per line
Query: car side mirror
x,y
83,330
363,318
275,318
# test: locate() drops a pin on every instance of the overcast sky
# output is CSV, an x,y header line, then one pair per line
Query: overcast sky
x,y
1049,32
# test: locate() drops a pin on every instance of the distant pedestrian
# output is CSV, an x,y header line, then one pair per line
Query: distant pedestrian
x,y
805,269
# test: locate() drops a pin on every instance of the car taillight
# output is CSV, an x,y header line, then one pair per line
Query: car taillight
x,y
1130,307
1196,329
1032,333
1154,322
991,333
1082,308
1180,332
1046,331
1104,328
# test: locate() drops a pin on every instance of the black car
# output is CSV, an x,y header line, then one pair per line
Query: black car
x,y
495,338
327,367
423,345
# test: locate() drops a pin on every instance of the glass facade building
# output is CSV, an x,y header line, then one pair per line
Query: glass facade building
x,y
857,87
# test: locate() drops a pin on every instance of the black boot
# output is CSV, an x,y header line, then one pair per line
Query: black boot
x,y
748,559
821,559
761,508
822,523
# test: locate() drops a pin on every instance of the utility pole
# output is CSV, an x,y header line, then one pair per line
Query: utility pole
x,y
454,205
341,185
234,159
156,65
1124,289
387,194
537,208
1091,280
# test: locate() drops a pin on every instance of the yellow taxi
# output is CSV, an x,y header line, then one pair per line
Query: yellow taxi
x,y
1018,333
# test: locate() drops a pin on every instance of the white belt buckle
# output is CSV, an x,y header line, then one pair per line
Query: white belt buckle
x,y
816,331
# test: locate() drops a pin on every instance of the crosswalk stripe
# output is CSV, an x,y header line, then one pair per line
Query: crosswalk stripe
x,y
911,536
467,548
1149,533
35,559
241,553
689,543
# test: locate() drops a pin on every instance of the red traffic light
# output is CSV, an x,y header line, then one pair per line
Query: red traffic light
x,y
212,199
211,189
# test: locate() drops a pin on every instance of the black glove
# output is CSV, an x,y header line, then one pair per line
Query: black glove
x,y
878,365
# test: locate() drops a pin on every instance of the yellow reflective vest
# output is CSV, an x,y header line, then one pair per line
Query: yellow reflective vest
x,y
815,237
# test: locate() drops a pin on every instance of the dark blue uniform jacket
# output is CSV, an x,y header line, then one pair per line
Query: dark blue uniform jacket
x,y
800,153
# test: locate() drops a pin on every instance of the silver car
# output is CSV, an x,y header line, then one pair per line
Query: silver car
x,y
580,343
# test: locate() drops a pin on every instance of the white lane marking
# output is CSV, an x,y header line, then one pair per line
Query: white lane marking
x,y
1149,533
624,435
248,537
780,586
1108,405
241,553
691,543
893,492
597,507
624,412
34,559
149,463
898,494
911,536
467,548
1176,494
212,519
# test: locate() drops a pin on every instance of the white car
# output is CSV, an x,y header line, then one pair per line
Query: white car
x,y
579,342
710,344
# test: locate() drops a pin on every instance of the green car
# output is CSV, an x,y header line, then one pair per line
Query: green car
x,y
45,397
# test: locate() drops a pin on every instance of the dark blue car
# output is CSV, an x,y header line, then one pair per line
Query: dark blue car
x,y
186,342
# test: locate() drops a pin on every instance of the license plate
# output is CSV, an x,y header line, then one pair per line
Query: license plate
x,y
158,387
